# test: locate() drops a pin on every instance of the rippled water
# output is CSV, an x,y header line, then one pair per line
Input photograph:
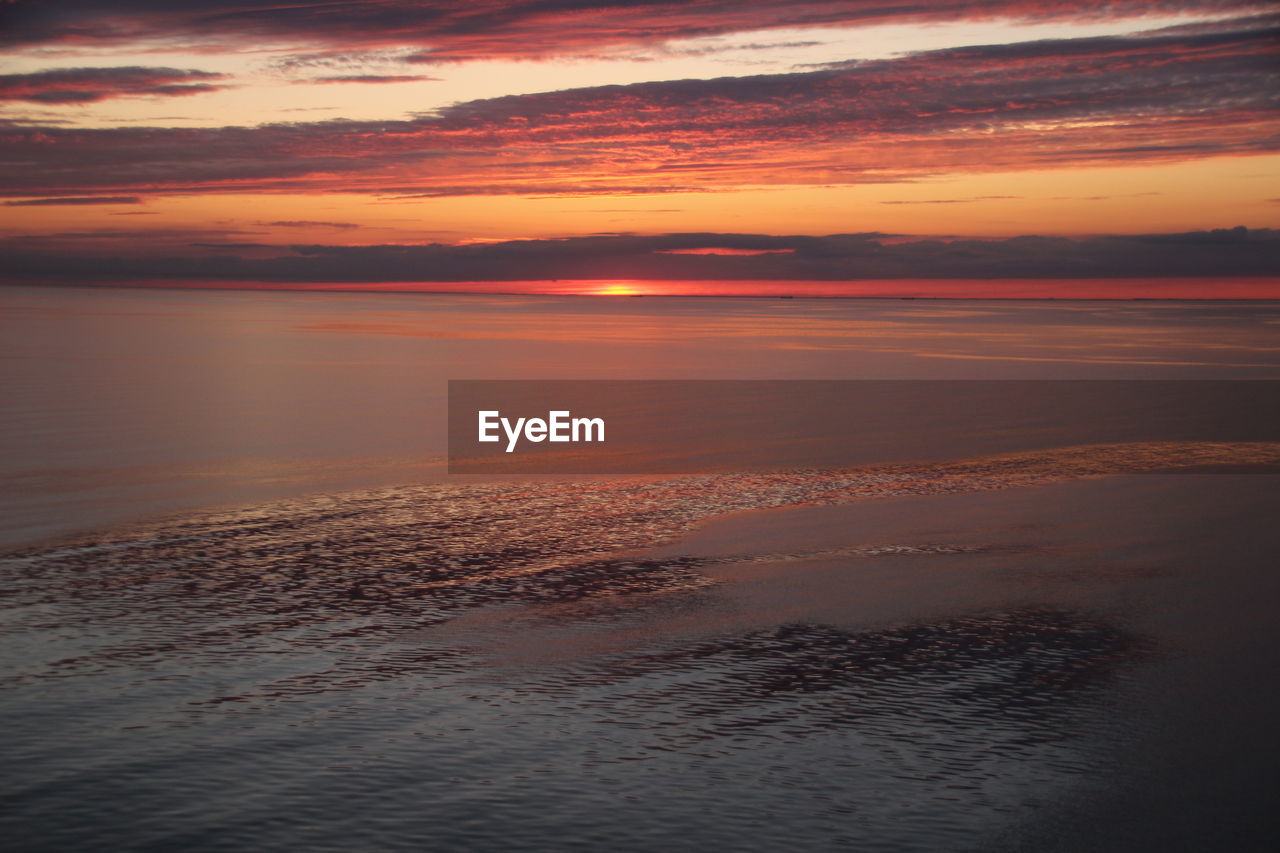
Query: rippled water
x,y
513,666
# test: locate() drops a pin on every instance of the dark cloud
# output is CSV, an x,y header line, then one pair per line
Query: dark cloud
x,y
229,246
127,245
371,78
88,85
307,223
543,190
335,61
953,200
462,30
75,200
152,120
1096,101
840,257
29,120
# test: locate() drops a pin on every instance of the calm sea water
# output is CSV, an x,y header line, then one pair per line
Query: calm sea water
x,y
121,403
243,609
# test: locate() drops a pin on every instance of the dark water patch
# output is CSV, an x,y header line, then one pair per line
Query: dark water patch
x,y
1006,676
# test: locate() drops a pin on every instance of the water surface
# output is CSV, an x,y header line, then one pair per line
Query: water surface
x,y
244,609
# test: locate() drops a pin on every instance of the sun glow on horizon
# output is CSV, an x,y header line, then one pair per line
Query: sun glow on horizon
x,y
616,289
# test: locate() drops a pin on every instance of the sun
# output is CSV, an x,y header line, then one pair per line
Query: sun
x,y
616,290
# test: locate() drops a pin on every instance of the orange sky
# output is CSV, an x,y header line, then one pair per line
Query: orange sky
x,y
241,133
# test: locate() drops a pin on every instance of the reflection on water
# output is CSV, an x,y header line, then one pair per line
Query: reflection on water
x,y
121,403
513,666
360,566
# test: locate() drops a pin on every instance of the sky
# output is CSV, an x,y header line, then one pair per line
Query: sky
x,y
643,147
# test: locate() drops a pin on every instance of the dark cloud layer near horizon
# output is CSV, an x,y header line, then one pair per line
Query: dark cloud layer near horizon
x,y
839,257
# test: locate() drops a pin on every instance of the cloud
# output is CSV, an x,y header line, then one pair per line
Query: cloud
x,y
578,189
307,223
229,246
1095,101
89,85
371,78
953,200
838,257
75,200
721,250
120,248
464,30
47,117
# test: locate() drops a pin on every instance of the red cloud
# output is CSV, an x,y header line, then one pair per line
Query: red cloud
x,y
460,30
86,85
1037,105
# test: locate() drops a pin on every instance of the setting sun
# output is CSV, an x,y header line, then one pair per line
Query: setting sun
x,y
615,290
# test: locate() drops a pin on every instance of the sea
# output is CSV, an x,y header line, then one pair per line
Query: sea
x,y
245,605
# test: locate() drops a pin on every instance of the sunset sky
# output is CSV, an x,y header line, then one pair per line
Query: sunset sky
x,y
240,142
